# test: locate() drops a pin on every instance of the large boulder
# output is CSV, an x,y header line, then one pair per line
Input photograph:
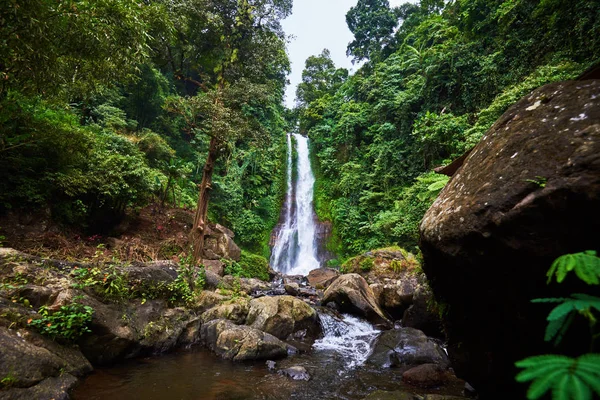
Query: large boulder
x,y
527,193
234,311
281,316
241,342
352,294
218,243
33,366
321,278
406,347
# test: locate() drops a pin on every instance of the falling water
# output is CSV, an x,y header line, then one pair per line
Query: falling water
x,y
350,337
295,251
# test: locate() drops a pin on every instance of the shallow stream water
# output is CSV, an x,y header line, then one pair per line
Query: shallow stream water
x,y
336,364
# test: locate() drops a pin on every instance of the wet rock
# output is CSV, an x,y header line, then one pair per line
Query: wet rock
x,y
352,294
527,194
235,312
426,375
271,365
406,347
54,388
292,288
321,278
424,314
282,316
241,342
296,373
395,395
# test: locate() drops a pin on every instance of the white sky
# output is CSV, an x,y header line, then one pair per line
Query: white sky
x,y
318,25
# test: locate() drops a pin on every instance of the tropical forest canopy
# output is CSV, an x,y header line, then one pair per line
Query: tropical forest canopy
x,y
436,76
108,105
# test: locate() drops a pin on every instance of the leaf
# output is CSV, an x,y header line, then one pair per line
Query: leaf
x,y
543,384
585,264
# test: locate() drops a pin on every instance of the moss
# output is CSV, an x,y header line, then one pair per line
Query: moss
x,y
249,266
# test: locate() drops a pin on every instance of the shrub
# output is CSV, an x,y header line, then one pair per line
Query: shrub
x,y
249,266
67,324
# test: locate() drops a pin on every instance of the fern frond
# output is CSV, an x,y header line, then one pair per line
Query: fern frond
x,y
561,311
586,266
591,379
569,379
549,300
543,384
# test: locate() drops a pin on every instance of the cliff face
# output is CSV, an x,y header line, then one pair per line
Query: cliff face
x,y
527,193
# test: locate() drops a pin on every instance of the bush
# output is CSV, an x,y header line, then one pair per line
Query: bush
x,y
67,324
250,266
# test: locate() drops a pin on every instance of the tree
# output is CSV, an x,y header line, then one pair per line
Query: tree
x,y
320,76
372,23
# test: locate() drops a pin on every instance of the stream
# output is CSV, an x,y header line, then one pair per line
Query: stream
x,y
336,362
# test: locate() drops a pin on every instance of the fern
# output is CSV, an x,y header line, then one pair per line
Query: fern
x,y
586,266
562,315
568,378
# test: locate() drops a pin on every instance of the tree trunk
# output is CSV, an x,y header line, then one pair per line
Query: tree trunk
x,y
199,228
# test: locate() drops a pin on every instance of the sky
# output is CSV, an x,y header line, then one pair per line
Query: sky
x,y
318,25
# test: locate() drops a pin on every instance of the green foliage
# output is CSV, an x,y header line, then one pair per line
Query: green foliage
x,y
586,266
189,283
249,266
366,264
67,324
108,281
560,317
568,378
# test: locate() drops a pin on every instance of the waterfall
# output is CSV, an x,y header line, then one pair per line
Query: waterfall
x,y
295,251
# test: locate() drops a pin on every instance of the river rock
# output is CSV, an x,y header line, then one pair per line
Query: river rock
x,y
394,395
208,299
235,311
321,278
241,342
426,375
406,347
352,294
527,194
424,314
35,367
296,373
281,316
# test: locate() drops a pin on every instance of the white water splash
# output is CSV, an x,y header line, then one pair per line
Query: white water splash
x,y
350,337
295,251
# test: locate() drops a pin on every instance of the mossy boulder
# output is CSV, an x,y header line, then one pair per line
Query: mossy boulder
x,y
282,316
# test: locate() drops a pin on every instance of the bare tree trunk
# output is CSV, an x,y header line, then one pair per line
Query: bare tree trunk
x,y
199,228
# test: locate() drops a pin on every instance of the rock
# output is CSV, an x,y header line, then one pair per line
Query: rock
x,y
271,365
321,278
126,331
395,395
241,342
426,375
218,243
207,300
352,294
527,193
37,367
292,288
424,314
406,347
38,295
442,397
154,272
52,388
296,373
214,266
396,296
235,312
281,316
213,281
